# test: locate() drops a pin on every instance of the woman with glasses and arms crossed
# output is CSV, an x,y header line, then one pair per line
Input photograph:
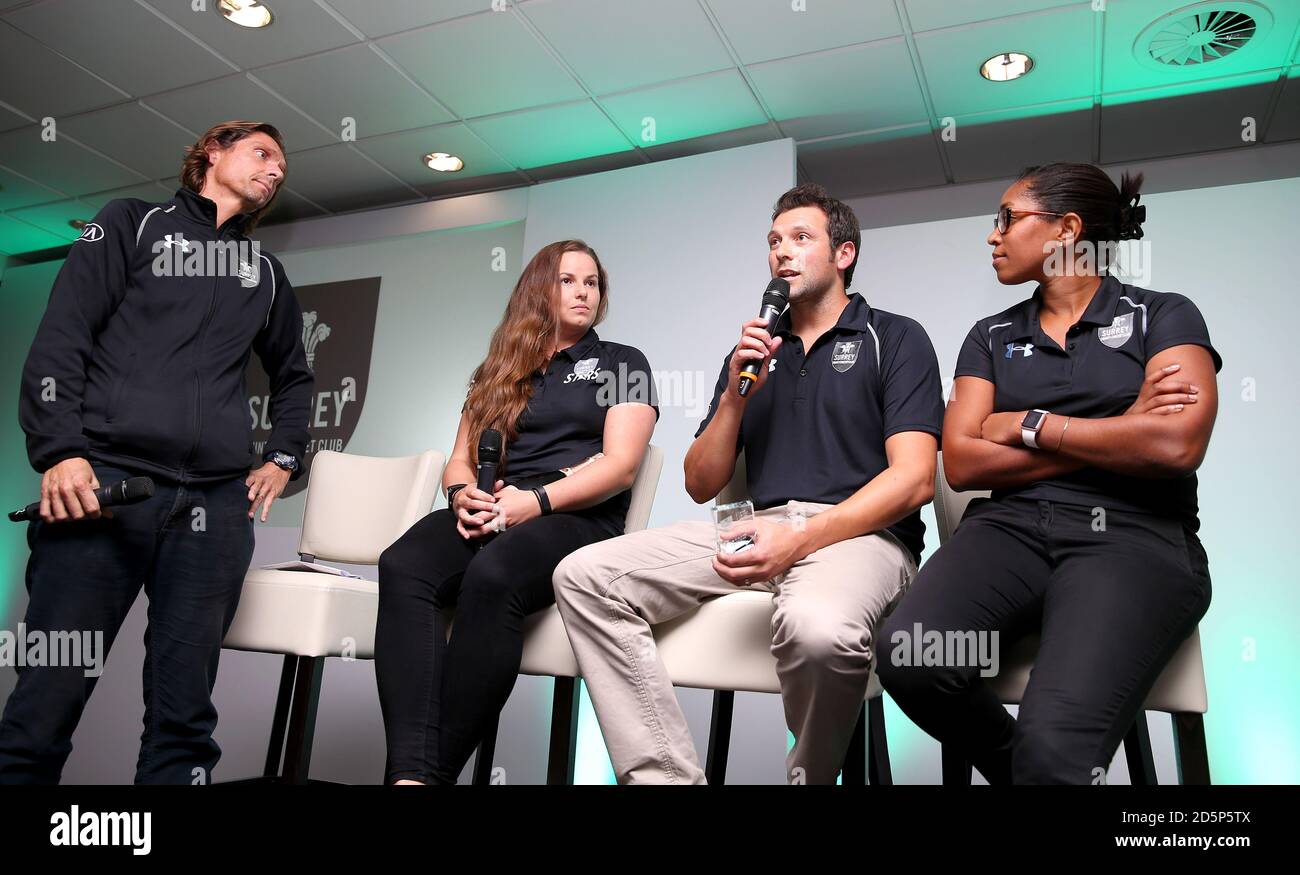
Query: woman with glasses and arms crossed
x,y
1086,409
575,414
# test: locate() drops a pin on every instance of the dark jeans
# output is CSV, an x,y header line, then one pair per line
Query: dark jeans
x,y
439,697
84,576
1112,607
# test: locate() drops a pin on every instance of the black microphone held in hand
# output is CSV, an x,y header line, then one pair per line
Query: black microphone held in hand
x,y
489,457
774,301
125,492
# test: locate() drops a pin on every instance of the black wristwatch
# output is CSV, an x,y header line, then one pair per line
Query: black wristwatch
x,y
286,461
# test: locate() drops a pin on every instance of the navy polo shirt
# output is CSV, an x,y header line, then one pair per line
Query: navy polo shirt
x,y
1097,375
816,430
564,422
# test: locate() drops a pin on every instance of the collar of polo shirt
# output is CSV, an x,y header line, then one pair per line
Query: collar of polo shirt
x,y
1101,309
856,317
584,345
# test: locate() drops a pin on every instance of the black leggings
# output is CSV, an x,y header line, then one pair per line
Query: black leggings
x,y
437,696
1112,605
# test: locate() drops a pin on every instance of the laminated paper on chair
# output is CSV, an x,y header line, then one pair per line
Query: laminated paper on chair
x,y
299,565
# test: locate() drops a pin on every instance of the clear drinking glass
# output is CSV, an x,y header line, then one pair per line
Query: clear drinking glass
x,y
725,518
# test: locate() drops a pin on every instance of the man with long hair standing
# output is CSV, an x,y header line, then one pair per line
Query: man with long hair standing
x,y
562,399
137,369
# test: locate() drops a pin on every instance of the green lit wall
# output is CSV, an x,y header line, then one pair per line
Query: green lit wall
x,y
23,293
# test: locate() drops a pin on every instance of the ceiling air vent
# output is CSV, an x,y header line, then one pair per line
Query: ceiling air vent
x,y
1201,33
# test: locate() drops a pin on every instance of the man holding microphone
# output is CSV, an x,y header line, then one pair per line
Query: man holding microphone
x,y
137,369
840,428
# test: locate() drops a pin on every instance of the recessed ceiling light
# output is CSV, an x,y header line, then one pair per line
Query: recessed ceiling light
x,y
1006,66
443,162
245,13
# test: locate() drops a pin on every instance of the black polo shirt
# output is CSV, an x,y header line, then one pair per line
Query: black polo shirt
x,y
1098,374
816,430
564,422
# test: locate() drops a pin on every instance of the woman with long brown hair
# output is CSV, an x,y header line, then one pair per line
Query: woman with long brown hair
x,y
575,413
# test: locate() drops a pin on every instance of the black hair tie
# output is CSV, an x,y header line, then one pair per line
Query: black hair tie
x,y
1131,217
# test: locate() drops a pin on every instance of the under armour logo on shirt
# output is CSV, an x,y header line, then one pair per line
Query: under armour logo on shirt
x,y
1026,348
179,241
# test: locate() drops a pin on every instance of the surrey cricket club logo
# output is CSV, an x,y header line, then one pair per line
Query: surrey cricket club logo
x,y
845,354
249,274
313,332
1118,332
338,333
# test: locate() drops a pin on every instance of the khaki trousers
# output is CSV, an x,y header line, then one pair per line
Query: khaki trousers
x,y
827,607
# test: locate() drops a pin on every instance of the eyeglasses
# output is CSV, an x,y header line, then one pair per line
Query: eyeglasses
x,y
1005,216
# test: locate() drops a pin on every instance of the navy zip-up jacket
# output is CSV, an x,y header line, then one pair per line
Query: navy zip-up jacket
x,y
139,365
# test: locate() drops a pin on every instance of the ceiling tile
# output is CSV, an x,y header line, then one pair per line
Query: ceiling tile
x,y
53,218
149,192
841,91
10,120
535,138
714,142
615,46
363,86
17,237
586,166
160,57
450,61
61,87
401,154
339,179
237,97
471,184
871,164
929,14
1126,67
380,19
133,135
1286,115
290,207
685,109
1180,125
15,191
760,30
300,27
60,164
1062,67
987,149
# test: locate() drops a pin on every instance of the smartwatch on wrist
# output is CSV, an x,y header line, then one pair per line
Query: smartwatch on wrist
x,y
1030,426
451,493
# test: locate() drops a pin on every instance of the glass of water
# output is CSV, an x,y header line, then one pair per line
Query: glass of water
x,y
725,518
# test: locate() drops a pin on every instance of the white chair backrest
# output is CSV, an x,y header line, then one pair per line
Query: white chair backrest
x,y
736,489
643,489
358,505
949,504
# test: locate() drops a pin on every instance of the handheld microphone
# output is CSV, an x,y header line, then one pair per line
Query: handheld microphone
x,y
125,492
489,457
774,301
